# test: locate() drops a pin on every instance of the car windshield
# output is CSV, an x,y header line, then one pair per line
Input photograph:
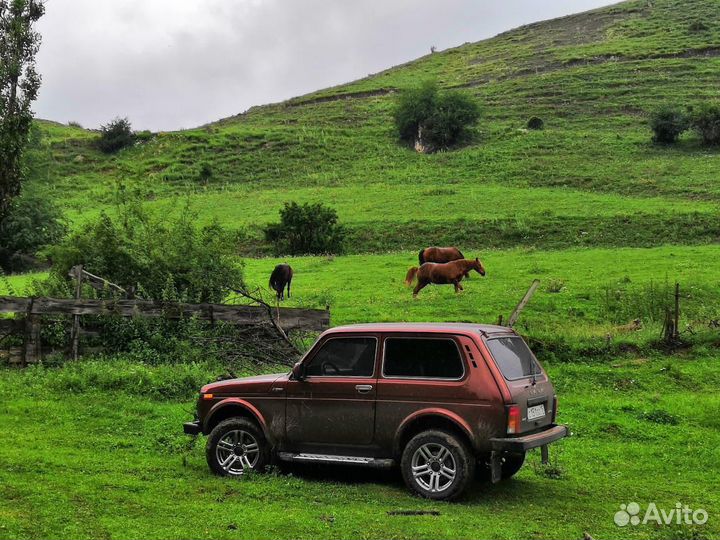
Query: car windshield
x,y
513,357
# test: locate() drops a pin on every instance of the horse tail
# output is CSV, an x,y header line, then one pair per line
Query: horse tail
x,y
421,257
460,253
411,275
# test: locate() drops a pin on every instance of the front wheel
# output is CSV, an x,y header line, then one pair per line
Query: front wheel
x,y
236,445
437,465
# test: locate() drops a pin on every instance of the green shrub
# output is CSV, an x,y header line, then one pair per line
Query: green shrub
x,y
115,136
667,124
163,256
33,222
706,122
205,174
535,123
306,229
698,26
555,286
437,119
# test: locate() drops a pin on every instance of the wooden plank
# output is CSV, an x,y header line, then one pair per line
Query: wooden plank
x,y
528,295
96,282
291,318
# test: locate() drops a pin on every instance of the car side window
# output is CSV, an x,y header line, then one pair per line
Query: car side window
x,y
344,357
425,358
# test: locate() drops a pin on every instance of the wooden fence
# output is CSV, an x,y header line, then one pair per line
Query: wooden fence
x,y
288,319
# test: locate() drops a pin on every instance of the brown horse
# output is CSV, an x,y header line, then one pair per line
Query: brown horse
x,y
439,255
442,273
436,254
281,276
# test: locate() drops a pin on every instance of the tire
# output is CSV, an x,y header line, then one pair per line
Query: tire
x,y
437,465
511,464
235,446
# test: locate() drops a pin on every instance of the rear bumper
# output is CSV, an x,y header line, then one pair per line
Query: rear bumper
x,y
523,443
192,428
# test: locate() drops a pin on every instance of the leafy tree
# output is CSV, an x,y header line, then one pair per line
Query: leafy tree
x,y
32,222
19,85
434,119
115,136
163,257
304,229
668,123
706,122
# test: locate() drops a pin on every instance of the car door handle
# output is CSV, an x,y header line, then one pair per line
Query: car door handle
x,y
363,388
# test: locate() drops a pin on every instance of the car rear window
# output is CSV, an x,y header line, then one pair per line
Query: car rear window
x,y
422,358
513,357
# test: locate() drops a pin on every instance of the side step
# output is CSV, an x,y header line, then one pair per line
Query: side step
x,y
341,460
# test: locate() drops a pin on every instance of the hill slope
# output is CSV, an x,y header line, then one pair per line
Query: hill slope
x,y
590,178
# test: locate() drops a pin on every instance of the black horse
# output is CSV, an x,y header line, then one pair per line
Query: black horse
x,y
281,276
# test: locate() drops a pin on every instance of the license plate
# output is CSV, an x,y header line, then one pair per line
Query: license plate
x,y
535,412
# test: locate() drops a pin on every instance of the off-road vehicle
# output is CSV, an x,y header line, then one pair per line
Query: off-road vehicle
x,y
445,402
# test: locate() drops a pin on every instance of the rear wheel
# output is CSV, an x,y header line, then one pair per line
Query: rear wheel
x,y
437,465
510,464
235,446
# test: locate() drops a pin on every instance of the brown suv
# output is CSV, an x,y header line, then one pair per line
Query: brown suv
x,y
439,399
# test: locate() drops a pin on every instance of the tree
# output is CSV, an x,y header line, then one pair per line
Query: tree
x,y
116,135
305,229
706,122
668,123
19,85
163,256
431,119
32,221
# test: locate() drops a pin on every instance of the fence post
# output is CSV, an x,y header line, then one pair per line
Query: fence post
x,y
31,346
676,326
75,350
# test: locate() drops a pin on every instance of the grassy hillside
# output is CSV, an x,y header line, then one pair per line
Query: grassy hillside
x,y
591,177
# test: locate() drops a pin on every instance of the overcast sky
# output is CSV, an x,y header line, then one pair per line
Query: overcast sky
x,y
171,64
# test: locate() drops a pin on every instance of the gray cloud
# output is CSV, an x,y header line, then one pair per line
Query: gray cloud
x,y
169,64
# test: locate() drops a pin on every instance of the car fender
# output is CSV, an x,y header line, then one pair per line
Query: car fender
x,y
241,403
454,418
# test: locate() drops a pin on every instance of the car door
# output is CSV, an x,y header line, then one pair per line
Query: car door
x,y
334,404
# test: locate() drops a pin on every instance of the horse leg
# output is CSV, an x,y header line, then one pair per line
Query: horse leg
x,y
419,287
289,281
458,287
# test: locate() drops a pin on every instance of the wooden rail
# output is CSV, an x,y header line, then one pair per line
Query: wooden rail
x,y
290,318
284,319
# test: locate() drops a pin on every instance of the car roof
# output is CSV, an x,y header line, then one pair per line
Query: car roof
x,y
443,327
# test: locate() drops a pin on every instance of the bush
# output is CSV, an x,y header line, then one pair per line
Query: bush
x,y
535,123
163,257
698,26
205,174
435,120
33,222
667,124
115,136
306,229
706,122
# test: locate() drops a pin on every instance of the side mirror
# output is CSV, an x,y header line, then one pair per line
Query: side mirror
x,y
298,371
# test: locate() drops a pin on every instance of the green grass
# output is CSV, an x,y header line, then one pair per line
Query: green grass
x,y
361,288
592,77
81,459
